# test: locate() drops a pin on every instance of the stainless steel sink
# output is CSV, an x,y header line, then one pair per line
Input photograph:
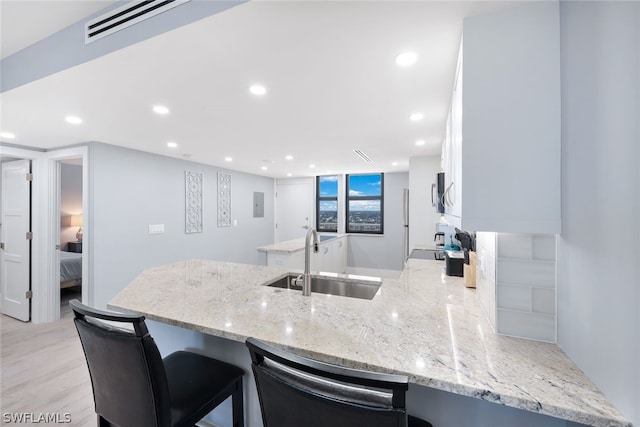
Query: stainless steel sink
x,y
331,286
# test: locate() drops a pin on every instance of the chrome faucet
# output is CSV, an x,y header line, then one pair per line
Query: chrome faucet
x,y
306,284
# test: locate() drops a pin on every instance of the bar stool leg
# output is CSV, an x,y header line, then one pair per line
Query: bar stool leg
x,y
238,408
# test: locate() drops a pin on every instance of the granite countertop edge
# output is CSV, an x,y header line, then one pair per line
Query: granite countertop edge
x,y
155,295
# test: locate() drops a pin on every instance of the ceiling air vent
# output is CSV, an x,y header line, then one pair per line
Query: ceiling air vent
x,y
362,155
125,16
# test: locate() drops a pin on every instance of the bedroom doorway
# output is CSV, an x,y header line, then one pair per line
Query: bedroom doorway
x,y
71,233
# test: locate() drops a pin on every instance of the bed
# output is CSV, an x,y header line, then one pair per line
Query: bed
x,y
70,269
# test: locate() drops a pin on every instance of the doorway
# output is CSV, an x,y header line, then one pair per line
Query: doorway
x,y
294,208
46,227
71,232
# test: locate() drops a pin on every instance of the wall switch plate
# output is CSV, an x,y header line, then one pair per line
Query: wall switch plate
x,y
235,222
156,228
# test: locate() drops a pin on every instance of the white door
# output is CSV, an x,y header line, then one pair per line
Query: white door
x,y
16,218
294,208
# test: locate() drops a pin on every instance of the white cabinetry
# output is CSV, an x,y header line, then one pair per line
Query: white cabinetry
x,y
290,260
503,136
452,152
331,257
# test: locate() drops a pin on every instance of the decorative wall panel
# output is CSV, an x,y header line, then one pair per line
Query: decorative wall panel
x,y
224,199
193,199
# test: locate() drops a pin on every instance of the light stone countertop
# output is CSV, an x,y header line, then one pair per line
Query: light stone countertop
x,y
425,325
295,245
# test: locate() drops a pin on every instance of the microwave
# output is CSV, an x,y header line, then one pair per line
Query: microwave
x,y
437,193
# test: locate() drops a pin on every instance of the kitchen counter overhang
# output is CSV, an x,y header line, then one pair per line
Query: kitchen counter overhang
x,y
425,325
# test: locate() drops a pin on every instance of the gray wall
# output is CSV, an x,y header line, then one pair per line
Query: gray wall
x,y
66,48
383,252
130,190
599,258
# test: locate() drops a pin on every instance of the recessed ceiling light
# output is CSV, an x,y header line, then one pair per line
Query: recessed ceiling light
x,y
289,174
264,168
258,90
172,144
7,135
406,59
394,164
420,142
312,166
228,159
160,109
74,120
289,157
416,117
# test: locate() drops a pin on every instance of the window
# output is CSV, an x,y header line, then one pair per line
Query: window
x,y
365,203
327,203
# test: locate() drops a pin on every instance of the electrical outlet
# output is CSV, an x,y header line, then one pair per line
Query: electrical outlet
x,y
156,228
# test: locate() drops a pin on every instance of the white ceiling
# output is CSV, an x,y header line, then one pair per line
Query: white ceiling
x,y
24,22
328,67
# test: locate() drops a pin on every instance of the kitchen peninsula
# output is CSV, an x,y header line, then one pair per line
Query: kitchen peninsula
x,y
425,325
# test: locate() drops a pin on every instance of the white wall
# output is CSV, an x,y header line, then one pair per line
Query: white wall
x,y
599,258
486,275
525,274
129,190
422,216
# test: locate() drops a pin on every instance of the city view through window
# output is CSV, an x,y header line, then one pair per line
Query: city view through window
x,y
364,203
327,203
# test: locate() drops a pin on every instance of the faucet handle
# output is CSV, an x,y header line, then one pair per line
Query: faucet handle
x,y
297,281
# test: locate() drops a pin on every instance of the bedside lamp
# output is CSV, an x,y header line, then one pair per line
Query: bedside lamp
x,y
76,221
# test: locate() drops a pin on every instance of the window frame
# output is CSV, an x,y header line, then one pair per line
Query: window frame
x,y
320,199
349,198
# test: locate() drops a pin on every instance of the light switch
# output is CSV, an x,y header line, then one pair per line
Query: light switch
x,y
156,228
235,222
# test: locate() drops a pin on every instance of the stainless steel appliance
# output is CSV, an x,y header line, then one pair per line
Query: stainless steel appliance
x,y
433,254
405,224
437,193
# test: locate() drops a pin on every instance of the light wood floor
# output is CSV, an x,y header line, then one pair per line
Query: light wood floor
x,y
43,370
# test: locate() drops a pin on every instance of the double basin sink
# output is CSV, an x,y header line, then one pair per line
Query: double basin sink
x,y
330,286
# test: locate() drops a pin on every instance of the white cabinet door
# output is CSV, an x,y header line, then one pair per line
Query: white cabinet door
x,y
506,135
341,255
453,194
293,260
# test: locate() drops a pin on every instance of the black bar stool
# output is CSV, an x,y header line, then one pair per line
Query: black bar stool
x,y
134,387
295,391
